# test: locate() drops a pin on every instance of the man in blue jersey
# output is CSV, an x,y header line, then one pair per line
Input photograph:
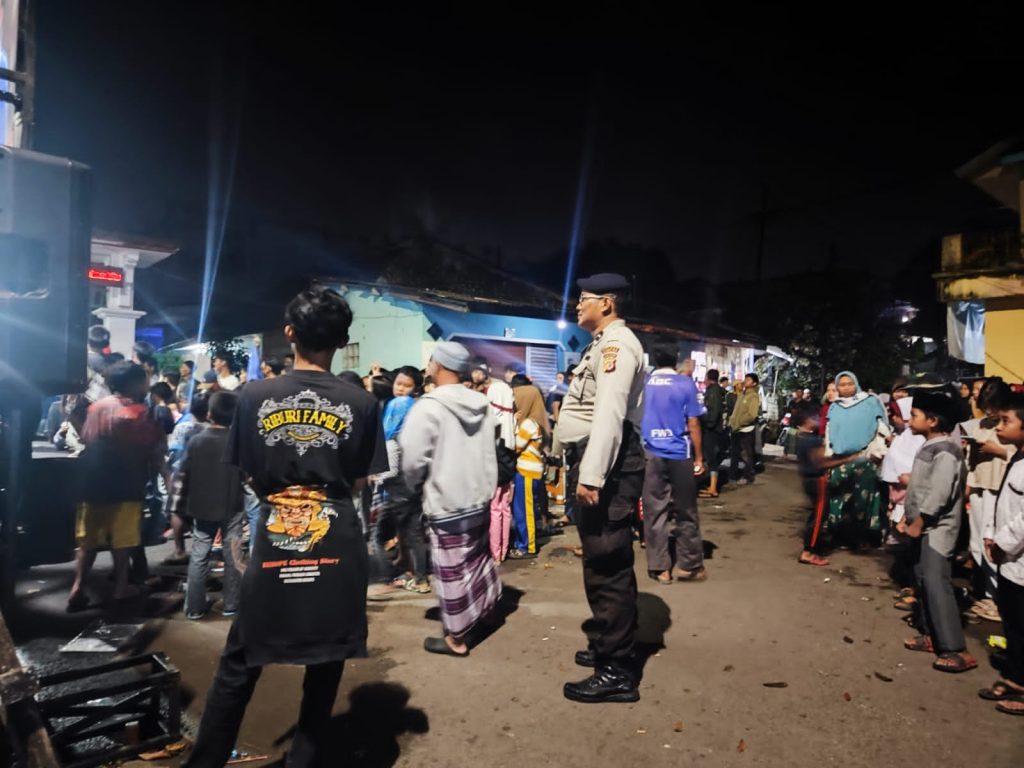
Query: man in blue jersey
x,y
672,441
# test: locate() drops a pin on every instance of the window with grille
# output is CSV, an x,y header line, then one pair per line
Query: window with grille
x,y
350,357
542,365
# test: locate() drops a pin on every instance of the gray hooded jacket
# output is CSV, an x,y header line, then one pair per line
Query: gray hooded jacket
x,y
448,452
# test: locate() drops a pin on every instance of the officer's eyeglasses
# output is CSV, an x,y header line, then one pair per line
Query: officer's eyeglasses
x,y
582,299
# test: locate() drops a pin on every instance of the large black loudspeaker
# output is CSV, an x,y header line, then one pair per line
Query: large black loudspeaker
x,y
45,231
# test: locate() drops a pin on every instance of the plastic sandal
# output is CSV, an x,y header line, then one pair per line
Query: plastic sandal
x,y
1016,711
999,691
961,662
420,588
921,643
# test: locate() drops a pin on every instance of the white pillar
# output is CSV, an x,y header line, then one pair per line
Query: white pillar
x,y
121,324
119,315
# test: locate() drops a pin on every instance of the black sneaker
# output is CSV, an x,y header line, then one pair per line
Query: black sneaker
x,y
585,658
608,684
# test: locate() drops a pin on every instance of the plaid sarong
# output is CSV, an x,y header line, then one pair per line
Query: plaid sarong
x,y
465,578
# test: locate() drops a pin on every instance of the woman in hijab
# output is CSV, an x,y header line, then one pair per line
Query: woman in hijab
x,y
856,421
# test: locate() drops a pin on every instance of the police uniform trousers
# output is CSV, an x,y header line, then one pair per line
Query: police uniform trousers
x,y
606,534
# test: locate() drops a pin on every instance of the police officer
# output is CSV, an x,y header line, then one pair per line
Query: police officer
x,y
598,429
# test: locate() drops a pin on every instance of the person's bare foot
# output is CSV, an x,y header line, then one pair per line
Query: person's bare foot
x,y
456,646
809,558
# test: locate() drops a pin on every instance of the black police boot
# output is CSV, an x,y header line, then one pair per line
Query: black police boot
x,y
585,658
609,683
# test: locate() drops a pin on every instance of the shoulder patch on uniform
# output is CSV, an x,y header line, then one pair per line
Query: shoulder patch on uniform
x,y
609,357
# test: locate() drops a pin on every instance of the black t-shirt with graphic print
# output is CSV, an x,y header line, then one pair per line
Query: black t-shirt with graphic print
x,y
304,438
306,428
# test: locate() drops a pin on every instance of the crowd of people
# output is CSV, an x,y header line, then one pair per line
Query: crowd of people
x,y
333,489
935,479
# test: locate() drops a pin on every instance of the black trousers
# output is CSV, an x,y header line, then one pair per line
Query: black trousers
x,y
711,447
742,445
229,695
405,520
606,534
1010,598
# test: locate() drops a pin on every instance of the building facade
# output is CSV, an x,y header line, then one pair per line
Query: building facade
x,y
982,274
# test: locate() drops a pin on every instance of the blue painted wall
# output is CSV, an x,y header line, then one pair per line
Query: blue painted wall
x,y
394,331
526,329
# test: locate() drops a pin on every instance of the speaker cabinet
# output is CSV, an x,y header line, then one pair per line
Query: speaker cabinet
x,y
45,231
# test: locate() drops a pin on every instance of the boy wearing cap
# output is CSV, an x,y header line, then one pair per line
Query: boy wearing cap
x,y
599,431
448,457
934,508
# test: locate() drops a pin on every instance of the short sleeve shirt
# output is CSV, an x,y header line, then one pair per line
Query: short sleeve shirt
x,y
304,439
308,428
670,400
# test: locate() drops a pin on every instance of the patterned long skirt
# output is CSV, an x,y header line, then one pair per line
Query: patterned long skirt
x,y
465,578
854,497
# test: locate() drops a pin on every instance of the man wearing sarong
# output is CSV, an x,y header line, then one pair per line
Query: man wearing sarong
x,y
306,441
448,455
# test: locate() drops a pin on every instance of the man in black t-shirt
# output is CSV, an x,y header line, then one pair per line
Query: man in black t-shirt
x,y
306,441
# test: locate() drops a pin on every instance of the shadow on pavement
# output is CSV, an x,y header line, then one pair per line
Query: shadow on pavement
x,y
654,620
507,605
367,735
709,548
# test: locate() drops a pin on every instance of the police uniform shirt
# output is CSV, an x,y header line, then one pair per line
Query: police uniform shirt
x,y
606,392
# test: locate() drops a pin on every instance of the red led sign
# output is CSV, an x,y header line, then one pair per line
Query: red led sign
x,y
109,275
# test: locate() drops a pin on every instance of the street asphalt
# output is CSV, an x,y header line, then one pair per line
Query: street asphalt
x,y
767,663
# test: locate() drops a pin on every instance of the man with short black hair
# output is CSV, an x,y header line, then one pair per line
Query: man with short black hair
x,y
187,385
226,380
307,441
271,368
712,429
144,354
672,442
124,448
743,422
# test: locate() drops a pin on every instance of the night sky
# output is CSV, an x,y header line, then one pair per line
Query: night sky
x,y
356,125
